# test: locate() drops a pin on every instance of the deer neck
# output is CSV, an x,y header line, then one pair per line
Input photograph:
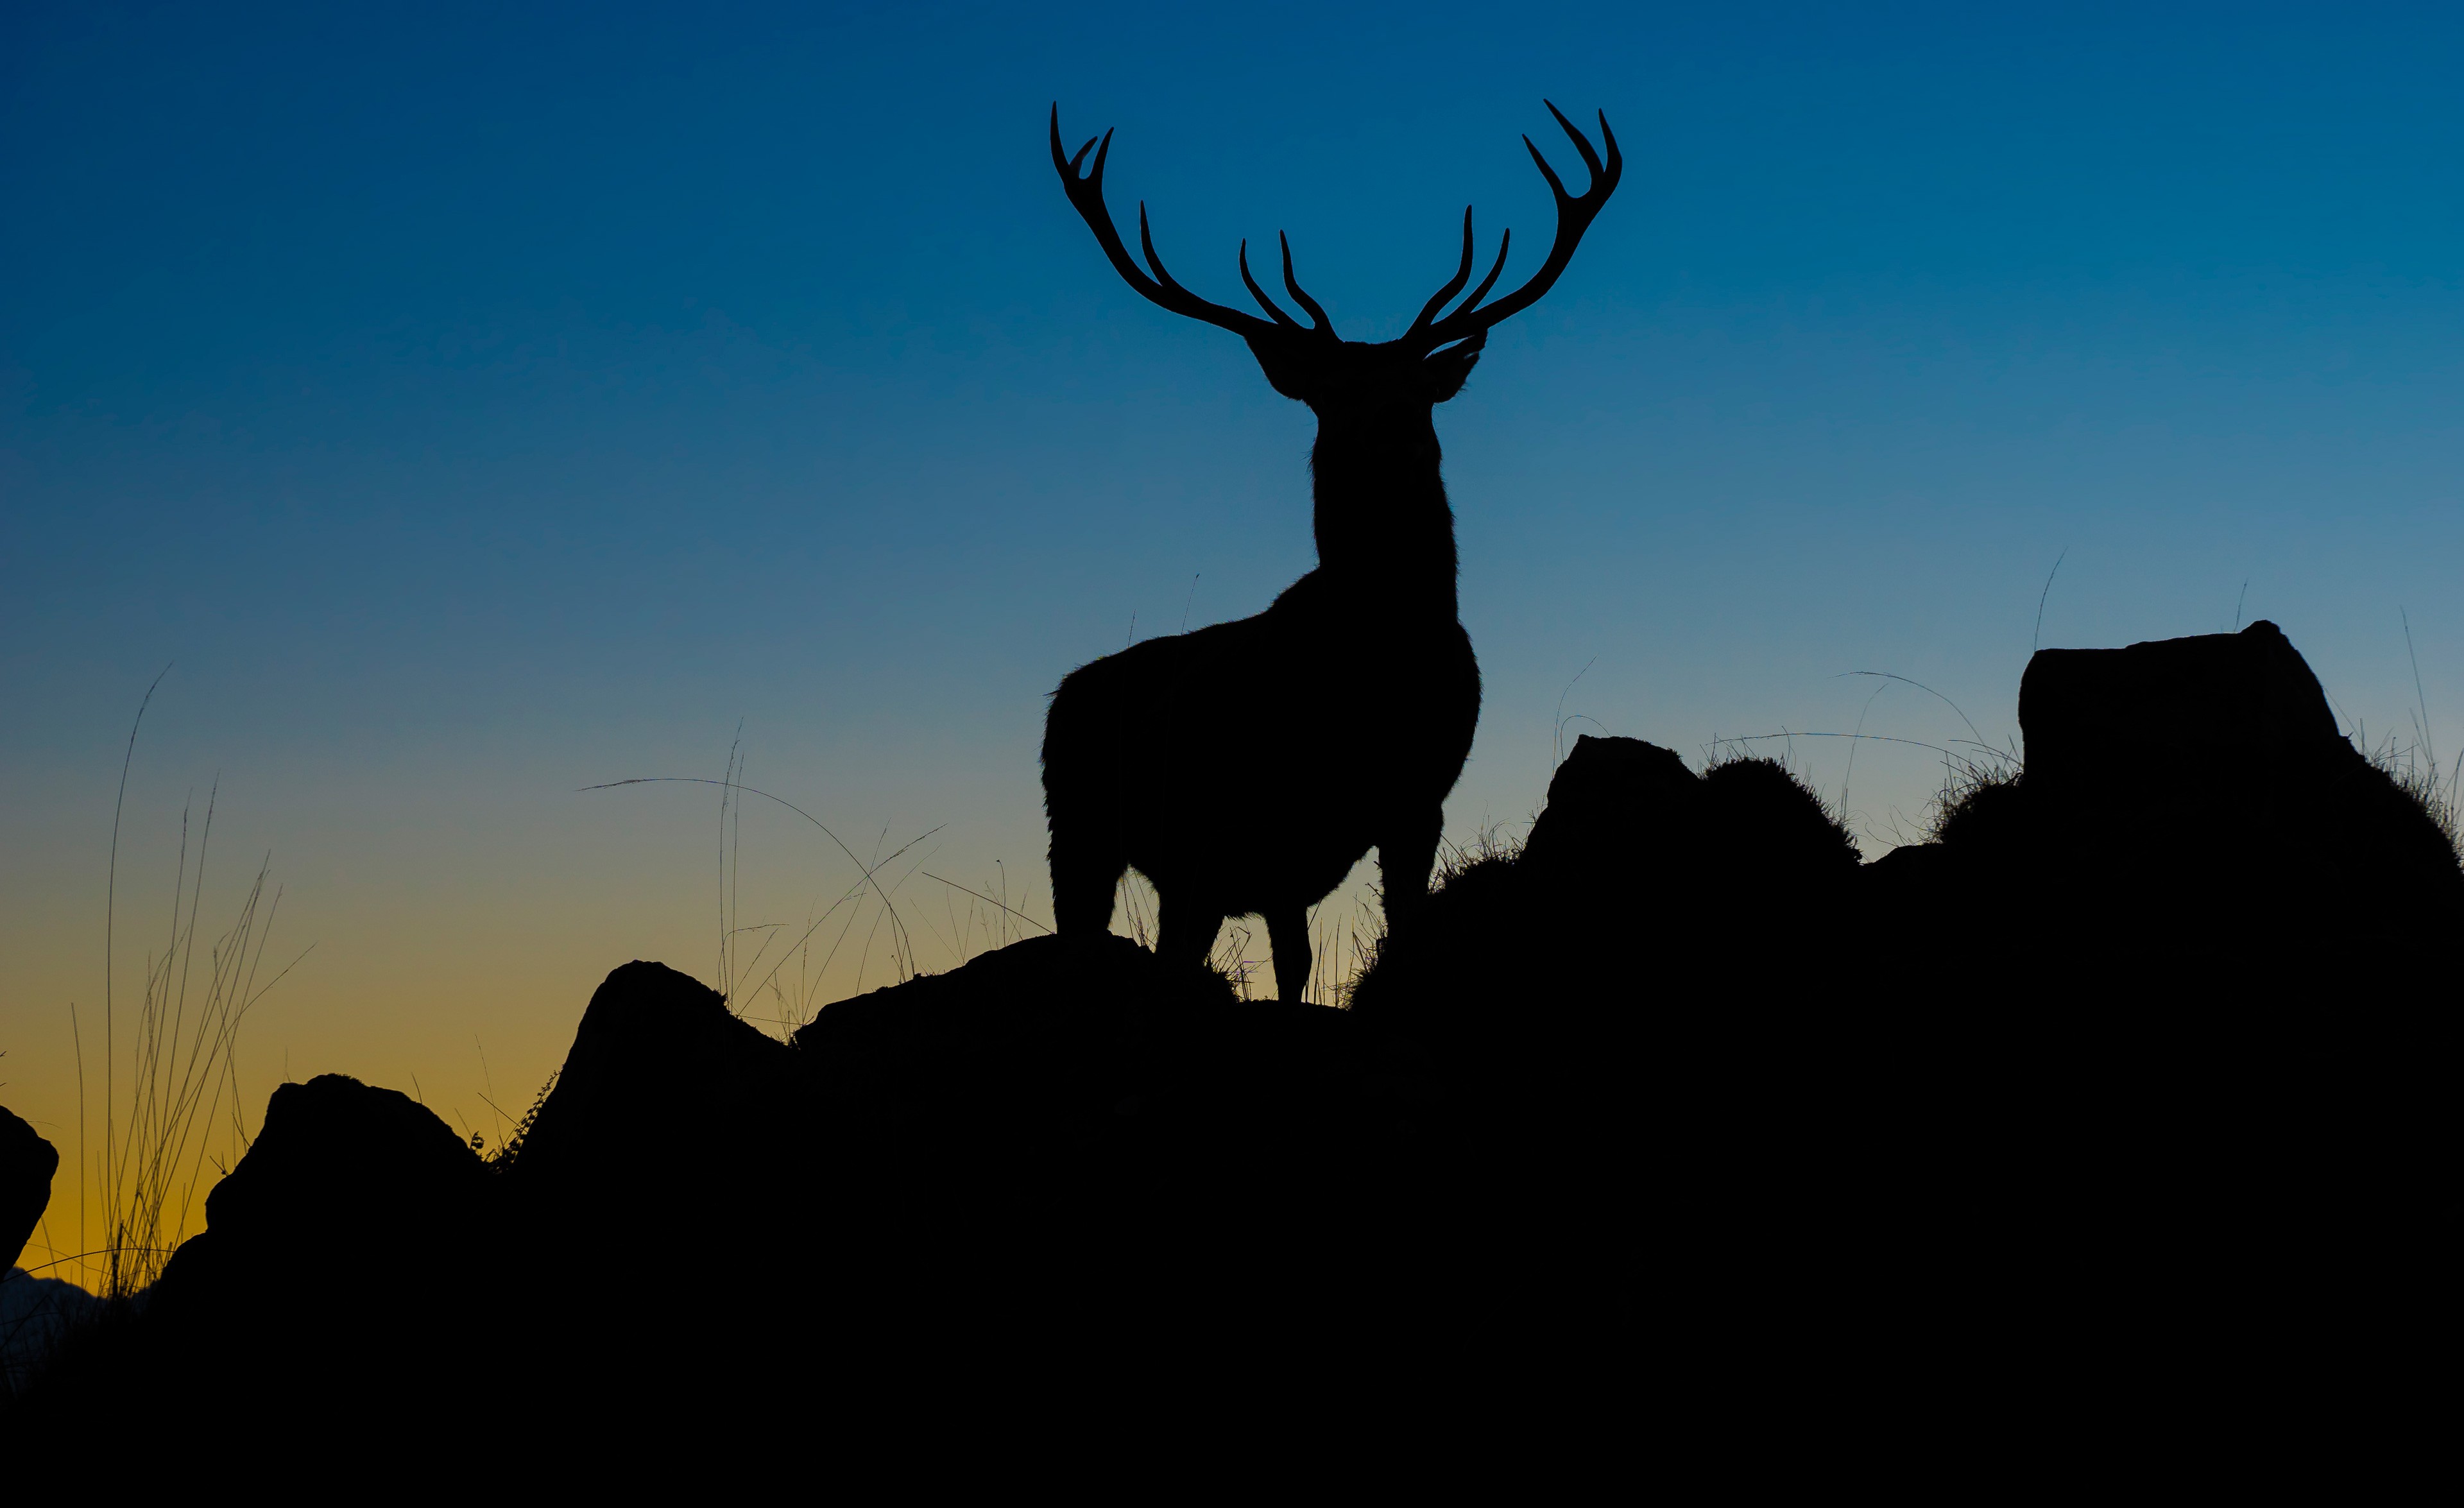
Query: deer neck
x,y
1383,525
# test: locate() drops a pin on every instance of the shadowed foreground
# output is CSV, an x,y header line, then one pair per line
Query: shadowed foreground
x,y
2116,1119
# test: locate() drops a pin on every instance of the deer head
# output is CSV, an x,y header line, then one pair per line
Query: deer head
x,y
1353,380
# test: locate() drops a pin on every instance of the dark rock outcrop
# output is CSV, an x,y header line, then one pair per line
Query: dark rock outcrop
x,y
2188,804
666,1096
342,1167
2112,1011
1630,818
1615,807
27,1163
2116,721
1016,1052
1608,1025
347,1191
2193,961
1641,881
340,1275
1034,1155
1058,1145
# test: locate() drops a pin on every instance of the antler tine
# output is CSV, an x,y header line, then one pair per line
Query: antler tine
x,y
1300,296
1453,285
1462,275
1146,244
1260,294
1590,159
1575,216
1505,239
1087,197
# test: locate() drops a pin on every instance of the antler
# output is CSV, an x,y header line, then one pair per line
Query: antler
x,y
1087,194
1575,216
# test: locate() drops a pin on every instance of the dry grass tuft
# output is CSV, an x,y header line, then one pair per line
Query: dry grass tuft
x,y
2413,770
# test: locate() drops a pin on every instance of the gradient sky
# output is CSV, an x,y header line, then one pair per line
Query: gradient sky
x,y
473,404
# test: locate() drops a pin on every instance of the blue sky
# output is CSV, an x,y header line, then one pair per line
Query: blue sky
x,y
476,403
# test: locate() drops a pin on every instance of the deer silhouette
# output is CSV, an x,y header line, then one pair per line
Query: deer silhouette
x,y
1234,804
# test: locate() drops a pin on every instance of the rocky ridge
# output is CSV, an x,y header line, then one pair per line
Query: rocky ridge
x,y
1682,1108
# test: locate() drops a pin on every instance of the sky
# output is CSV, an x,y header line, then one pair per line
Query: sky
x,y
458,406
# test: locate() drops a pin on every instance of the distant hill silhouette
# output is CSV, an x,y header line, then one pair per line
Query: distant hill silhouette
x,y
2117,1111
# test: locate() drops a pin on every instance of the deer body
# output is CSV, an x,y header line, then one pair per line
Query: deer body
x,y
1157,757
1160,757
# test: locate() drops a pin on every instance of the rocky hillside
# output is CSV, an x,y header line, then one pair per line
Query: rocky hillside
x,y
2131,1085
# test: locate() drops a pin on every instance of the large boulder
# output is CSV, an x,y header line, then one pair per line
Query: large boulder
x,y
1026,1080
340,1286
345,1187
2241,706
677,1133
1614,806
27,1163
1040,1025
2193,969
668,1101
988,1088
1072,1145
2186,801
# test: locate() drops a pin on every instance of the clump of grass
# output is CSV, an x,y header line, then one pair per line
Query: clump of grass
x,y
1972,789
1489,845
1833,808
1489,848
170,1076
509,1149
2413,769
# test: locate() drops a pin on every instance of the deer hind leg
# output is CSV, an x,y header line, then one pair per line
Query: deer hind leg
x,y
1405,858
1085,874
1287,930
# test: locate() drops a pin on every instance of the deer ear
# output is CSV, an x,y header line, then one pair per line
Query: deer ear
x,y
1445,373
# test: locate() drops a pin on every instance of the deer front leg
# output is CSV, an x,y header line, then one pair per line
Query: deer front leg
x,y
1085,872
1185,931
1405,858
1287,930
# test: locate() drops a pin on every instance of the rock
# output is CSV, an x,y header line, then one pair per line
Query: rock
x,y
343,1180
2241,706
972,1078
1613,804
2193,794
27,1163
1029,1046
664,1101
2197,951
338,1286
1019,1155
1000,998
